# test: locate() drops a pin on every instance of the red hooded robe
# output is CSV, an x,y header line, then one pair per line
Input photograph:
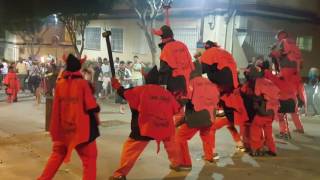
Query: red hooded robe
x,y
70,123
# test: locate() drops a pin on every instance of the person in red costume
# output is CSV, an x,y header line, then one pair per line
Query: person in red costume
x,y
74,122
265,103
221,69
291,92
175,64
287,54
199,117
11,81
152,108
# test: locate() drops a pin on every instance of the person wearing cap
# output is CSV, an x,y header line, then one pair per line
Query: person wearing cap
x,y
74,122
175,64
199,117
152,108
221,70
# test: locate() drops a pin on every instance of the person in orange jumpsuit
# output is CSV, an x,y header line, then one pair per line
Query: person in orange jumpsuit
x,y
74,122
175,64
11,81
291,92
152,108
221,69
286,54
289,58
265,95
199,117
175,67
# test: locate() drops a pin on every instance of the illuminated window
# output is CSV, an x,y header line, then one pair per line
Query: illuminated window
x,y
92,38
305,43
117,39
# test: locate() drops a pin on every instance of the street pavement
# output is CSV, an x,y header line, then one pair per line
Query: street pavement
x,y
25,147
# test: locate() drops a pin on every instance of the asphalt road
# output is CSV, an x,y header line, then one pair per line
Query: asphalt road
x,y
25,147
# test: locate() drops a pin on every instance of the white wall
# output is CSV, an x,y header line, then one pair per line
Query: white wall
x,y
11,51
134,40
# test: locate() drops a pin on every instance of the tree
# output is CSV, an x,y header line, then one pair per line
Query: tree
x,y
76,25
147,12
74,14
31,31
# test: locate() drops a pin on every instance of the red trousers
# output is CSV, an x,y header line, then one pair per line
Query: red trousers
x,y
261,133
132,150
221,122
185,133
245,132
283,122
12,97
88,156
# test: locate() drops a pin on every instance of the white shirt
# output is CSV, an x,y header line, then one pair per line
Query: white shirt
x,y
137,68
4,70
105,68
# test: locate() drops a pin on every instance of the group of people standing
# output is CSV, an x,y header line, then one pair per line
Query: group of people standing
x,y
177,101
129,73
23,75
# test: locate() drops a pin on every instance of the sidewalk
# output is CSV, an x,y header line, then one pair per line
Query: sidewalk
x,y
25,147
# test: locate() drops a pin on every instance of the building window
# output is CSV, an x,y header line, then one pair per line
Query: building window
x,y
92,38
305,43
189,36
117,39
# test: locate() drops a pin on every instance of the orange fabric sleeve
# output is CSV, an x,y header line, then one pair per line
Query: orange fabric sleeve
x,y
89,99
55,117
133,96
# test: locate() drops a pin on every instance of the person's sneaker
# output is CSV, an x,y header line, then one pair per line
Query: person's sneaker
x,y
185,168
215,158
240,148
117,178
271,153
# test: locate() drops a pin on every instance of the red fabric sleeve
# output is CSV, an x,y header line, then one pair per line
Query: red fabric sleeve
x,y
133,96
55,117
89,99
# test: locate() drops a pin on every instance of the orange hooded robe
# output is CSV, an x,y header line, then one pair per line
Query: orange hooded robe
x,y
70,120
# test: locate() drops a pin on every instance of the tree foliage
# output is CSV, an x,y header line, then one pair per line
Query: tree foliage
x,y
147,12
26,18
76,25
31,31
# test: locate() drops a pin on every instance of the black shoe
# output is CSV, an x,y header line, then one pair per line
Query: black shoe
x,y
256,153
185,168
117,178
174,168
271,153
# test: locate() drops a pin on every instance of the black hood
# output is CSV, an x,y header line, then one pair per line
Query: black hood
x,y
72,63
153,76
